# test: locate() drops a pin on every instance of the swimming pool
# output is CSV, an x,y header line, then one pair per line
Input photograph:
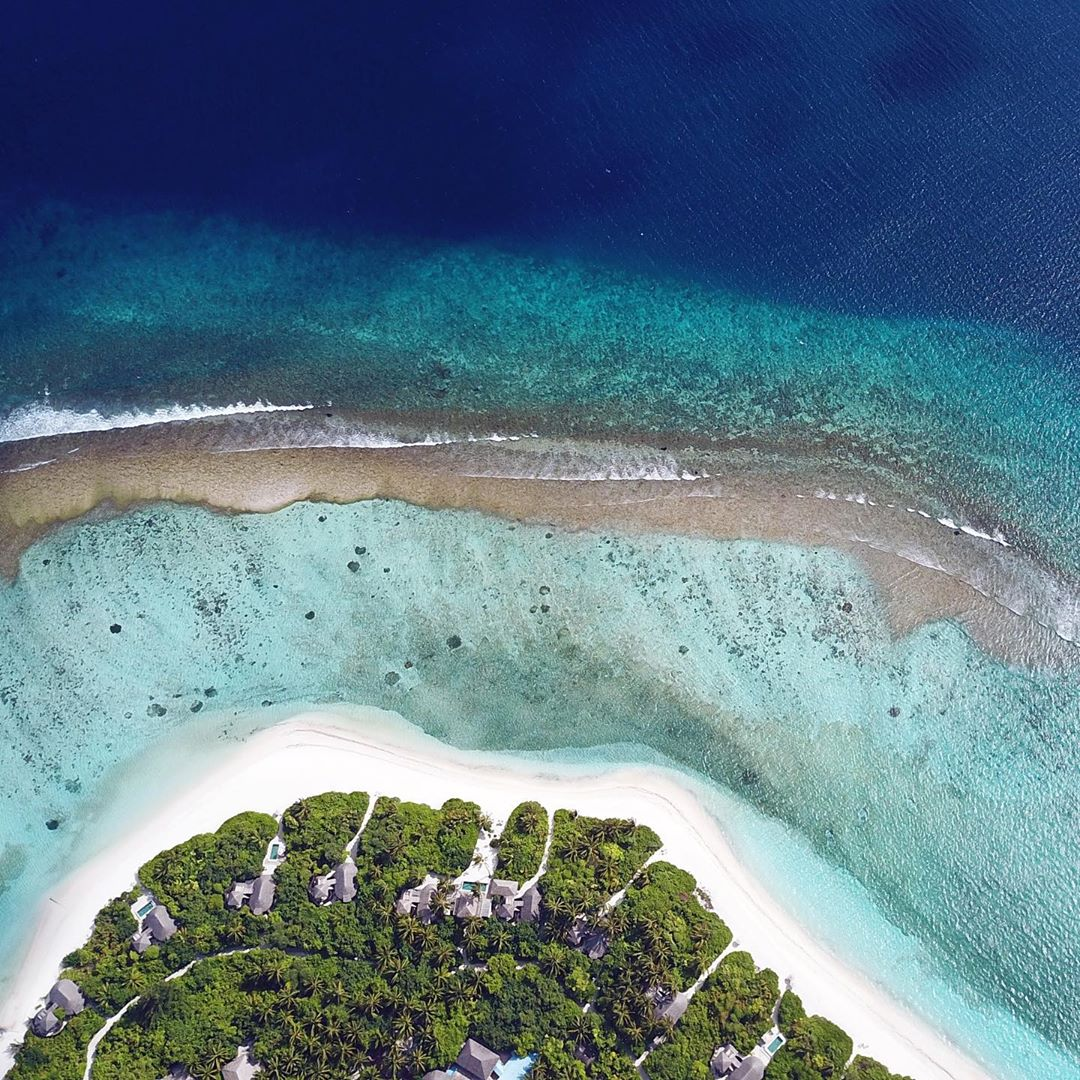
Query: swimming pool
x,y
516,1068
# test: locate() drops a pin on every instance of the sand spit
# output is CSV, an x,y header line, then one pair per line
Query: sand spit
x,y
928,564
380,752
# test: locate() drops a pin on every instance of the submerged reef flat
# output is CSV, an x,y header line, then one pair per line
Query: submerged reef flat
x,y
929,562
394,927
930,776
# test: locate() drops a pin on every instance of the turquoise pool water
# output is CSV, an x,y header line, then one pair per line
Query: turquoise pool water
x,y
516,1068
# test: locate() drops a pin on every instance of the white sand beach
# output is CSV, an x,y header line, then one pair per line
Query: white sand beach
x,y
379,752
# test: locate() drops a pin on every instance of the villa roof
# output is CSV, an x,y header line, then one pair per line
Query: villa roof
x,y
673,1008
262,894
45,1023
345,880
750,1068
530,905
319,889
160,923
595,945
471,906
476,1061
725,1059
502,887
437,1074
240,1068
141,940
238,892
68,996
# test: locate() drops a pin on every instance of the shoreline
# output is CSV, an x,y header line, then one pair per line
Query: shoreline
x,y
927,561
346,749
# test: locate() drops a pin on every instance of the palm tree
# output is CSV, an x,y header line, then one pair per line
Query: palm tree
x,y
274,969
501,936
217,1059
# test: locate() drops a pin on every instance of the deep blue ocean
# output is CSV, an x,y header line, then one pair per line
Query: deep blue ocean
x,y
873,156
850,231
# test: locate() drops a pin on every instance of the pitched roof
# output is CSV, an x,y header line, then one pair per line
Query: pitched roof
x,y
319,889
68,996
238,892
240,1068
437,1074
476,1061
45,1022
141,940
727,1057
345,880
502,887
673,1008
262,895
530,905
750,1068
159,922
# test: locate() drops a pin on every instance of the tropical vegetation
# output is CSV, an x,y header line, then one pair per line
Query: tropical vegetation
x,y
356,990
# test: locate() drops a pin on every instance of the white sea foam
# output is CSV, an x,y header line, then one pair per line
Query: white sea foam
x,y
365,439
42,419
30,465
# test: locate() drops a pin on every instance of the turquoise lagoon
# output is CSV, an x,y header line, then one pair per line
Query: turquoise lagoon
x,y
912,801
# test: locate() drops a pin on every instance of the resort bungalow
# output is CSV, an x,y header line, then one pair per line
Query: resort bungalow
x,y
262,895
45,1023
240,1068
417,901
339,884
64,995
591,941
727,1063
503,896
476,1061
67,996
529,906
670,1007
157,928
238,892
471,905
345,880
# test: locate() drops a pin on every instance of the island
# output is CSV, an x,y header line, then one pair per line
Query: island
x,y
360,937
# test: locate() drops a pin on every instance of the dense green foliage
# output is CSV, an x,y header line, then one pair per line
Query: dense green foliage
x,y
106,969
865,1068
591,859
521,845
661,939
192,878
408,840
733,1006
816,1049
791,1009
62,1057
353,990
318,828
317,831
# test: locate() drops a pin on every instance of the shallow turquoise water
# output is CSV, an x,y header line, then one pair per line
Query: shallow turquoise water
x,y
913,801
